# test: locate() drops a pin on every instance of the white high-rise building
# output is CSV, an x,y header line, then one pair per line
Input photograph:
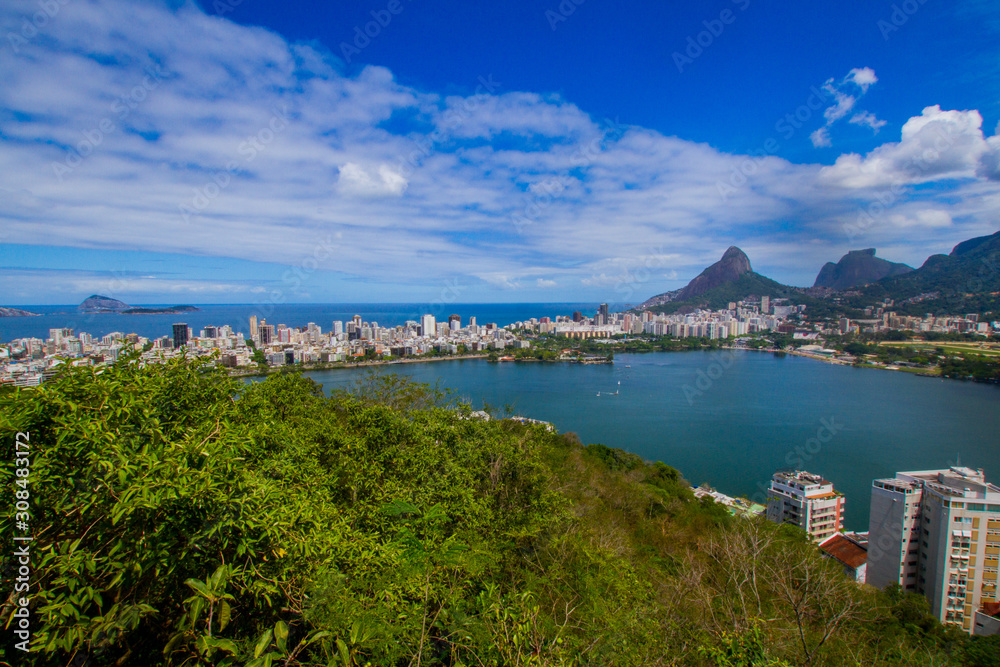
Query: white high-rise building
x,y
428,327
807,501
937,533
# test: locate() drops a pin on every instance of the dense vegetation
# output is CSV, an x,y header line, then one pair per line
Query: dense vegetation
x,y
965,281
748,284
185,518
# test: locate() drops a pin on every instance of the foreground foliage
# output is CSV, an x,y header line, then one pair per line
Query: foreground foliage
x,y
185,518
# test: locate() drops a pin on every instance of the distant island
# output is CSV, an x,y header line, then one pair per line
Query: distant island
x,y
15,312
97,303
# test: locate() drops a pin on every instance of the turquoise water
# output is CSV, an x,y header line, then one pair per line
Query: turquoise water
x,y
731,419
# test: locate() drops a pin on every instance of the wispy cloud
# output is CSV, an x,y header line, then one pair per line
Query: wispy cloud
x,y
333,171
846,94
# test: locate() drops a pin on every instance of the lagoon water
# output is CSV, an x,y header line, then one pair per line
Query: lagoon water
x,y
730,419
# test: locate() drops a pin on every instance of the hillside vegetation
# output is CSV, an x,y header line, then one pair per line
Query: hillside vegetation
x,y
185,518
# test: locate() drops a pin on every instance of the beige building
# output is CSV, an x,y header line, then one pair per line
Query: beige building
x,y
807,501
937,533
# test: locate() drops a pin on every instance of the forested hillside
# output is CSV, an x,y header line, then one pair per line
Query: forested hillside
x,y
184,518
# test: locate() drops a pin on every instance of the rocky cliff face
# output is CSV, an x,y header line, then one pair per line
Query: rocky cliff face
x,y
734,263
858,267
729,269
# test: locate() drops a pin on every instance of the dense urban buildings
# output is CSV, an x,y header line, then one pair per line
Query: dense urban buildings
x,y
937,533
807,501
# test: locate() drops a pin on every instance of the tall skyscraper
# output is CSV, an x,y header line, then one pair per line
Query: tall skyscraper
x,y
253,327
428,327
180,334
937,533
807,501
603,314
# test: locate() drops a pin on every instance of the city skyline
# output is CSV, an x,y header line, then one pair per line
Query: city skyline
x,y
169,153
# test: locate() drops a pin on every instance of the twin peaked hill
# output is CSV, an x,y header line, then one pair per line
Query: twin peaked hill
x,y
730,279
970,273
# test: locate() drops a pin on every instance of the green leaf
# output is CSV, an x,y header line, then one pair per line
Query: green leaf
x,y
223,644
345,654
281,635
262,643
224,614
199,588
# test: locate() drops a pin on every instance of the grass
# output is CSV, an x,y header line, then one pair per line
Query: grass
x,y
949,347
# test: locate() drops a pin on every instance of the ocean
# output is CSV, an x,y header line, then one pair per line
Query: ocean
x,y
292,315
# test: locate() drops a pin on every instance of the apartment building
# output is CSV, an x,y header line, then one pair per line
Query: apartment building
x,y
937,533
806,500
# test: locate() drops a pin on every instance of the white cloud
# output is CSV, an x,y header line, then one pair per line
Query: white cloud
x,y
934,145
844,102
383,181
843,105
931,218
862,77
867,119
821,138
281,157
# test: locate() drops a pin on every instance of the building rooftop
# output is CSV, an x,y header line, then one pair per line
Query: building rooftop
x,y
991,609
845,550
800,476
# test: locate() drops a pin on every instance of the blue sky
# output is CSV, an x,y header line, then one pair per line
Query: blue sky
x,y
391,150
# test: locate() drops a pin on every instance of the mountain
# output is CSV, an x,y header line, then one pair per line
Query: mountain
x,y
966,280
98,302
730,279
858,267
734,263
15,312
973,266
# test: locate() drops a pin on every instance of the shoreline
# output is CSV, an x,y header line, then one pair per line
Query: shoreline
x,y
367,364
339,365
